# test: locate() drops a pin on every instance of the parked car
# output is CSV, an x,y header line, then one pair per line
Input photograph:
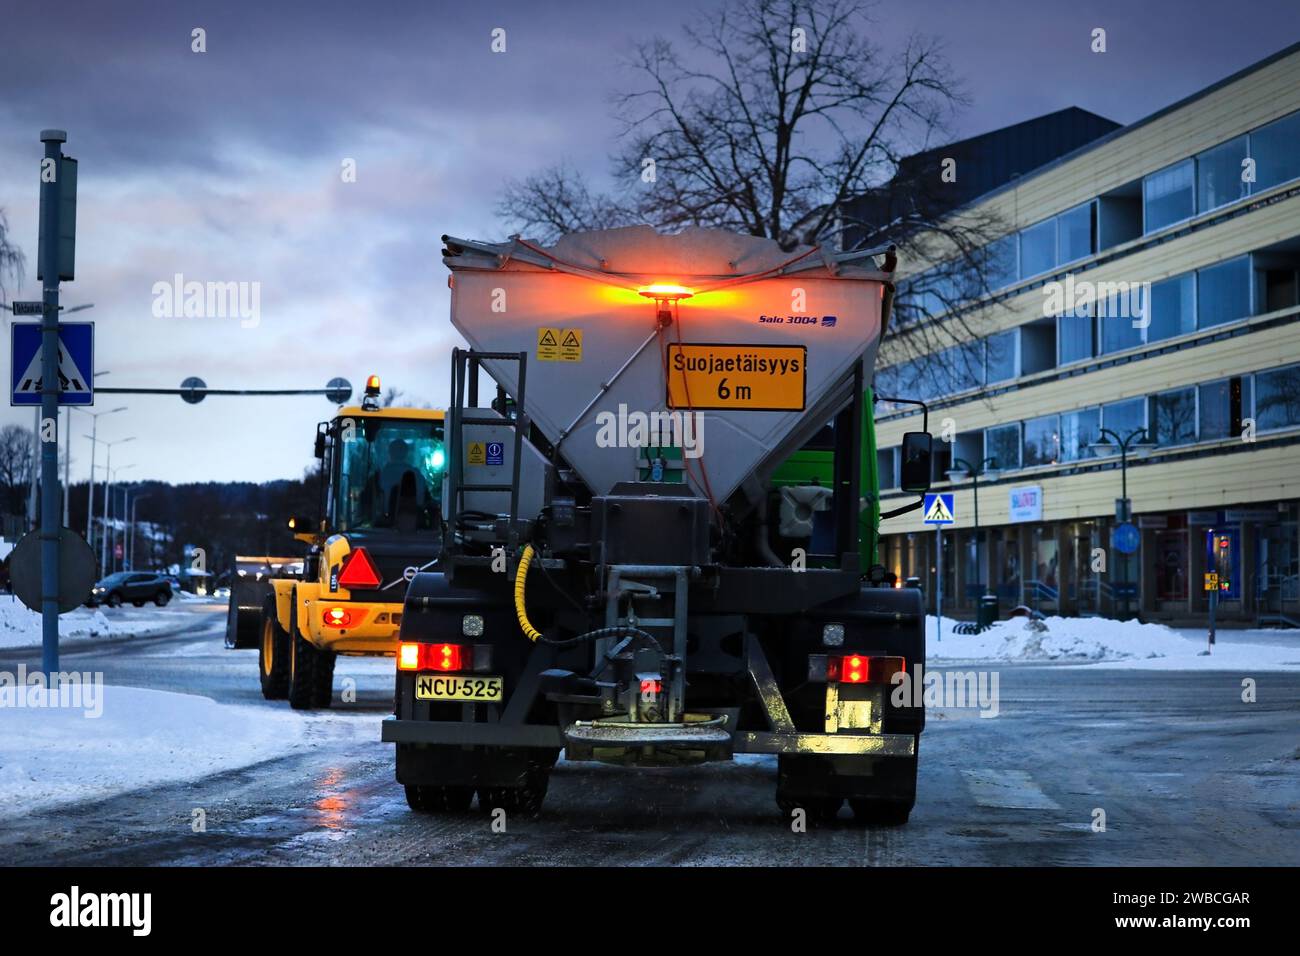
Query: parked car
x,y
134,586
221,593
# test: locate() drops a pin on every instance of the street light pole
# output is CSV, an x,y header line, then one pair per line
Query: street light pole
x,y
108,487
90,489
131,540
985,467
1124,511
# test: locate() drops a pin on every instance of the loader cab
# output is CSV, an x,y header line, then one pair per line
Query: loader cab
x,y
384,469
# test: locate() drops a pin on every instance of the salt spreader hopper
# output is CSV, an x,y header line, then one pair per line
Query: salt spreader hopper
x,y
622,577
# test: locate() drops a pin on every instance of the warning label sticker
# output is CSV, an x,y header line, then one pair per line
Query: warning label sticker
x,y
559,345
476,454
758,378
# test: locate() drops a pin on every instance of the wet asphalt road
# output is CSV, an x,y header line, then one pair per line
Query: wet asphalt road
x,y
1185,772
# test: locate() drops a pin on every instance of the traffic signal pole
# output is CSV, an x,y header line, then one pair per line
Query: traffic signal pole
x,y
51,207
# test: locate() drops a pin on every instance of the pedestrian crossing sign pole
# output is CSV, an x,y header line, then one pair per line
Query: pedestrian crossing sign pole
x,y
938,510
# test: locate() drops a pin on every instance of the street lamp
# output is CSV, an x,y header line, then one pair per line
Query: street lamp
x,y
94,430
108,482
130,541
989,469
1136,441
112,477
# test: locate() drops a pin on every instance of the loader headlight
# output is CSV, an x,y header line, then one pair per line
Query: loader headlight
x,y
833,635
471,625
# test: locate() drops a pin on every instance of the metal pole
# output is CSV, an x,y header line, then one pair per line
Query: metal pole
x,y
51,201
90,484
938,585
67,462
103,525
36,468
975,497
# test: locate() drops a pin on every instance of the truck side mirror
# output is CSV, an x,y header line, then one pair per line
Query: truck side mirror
x,y
319,451
914,473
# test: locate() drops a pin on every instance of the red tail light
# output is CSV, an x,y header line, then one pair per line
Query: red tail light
x,y
336,617
432,657
861,669
359,571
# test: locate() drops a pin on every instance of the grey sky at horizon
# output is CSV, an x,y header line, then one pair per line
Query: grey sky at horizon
x,y
225,166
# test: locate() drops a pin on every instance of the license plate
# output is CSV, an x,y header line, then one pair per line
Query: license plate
x,y
485,690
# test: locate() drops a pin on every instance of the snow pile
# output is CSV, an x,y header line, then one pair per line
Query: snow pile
x,y
1096,640
143,738
20,627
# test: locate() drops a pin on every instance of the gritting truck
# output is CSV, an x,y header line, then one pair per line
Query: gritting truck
x,y
659,541
379,524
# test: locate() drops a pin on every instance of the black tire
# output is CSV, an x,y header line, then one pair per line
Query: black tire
x,y
273,655
897,780
308,668
819,810
161,598
525,800
436,799
114,600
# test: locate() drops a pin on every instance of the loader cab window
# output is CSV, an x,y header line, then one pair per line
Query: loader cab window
x,y
386,473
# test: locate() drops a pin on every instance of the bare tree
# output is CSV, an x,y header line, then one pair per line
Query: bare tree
x,y
15,467
11,259
783,120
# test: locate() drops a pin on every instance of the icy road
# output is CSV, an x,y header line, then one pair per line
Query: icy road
x,y
1179,767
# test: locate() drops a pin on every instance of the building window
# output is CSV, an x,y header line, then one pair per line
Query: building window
x,y
1219,175
1124,418
1172,307
1074,333
1074,234
1223,404
1275,148
1119,329
1223,292
1078,431
1168,196
1000,264
1038,249
1173,417
886,467
1003,443
1042,445
1000,357
1277,398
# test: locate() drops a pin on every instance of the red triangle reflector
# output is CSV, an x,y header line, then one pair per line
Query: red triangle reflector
x,y
359,571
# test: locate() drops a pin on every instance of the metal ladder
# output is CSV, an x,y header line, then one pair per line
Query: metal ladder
x,y
464,370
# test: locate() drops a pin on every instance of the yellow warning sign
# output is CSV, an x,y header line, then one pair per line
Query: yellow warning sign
x,y
559,345
1211,581
476,454
763,378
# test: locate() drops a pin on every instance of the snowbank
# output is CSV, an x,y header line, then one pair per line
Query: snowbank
x,y
1103,642
143,738
20,627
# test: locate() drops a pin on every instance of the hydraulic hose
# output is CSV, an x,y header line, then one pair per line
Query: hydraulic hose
x,y
521,579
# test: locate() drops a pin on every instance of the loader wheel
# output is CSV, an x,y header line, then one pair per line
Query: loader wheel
x,y
161,598
273,655
525,800
306,668
435,799
894,794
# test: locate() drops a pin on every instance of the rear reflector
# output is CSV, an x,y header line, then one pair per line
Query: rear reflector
x,y
359,571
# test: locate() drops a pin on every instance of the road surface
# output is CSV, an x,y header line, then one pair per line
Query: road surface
x,y
1185,772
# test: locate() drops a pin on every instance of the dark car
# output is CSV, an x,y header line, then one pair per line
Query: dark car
x,y
134,586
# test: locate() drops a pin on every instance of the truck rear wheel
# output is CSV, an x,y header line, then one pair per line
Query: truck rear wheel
x,y
311,671
273,655
424,798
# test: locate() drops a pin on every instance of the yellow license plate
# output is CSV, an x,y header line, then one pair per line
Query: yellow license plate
x,y
485,690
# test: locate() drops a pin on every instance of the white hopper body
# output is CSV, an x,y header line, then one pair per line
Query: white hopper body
x,y
815,310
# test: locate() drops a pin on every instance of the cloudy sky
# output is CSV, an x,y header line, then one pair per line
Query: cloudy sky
x,y
225,166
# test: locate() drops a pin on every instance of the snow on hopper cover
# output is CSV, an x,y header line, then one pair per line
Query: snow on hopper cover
x,y
758,341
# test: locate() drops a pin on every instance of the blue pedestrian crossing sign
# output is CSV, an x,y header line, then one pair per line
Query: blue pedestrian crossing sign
x,y
76,363
938,509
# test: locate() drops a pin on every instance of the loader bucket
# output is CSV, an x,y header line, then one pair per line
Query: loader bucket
x,y
249,586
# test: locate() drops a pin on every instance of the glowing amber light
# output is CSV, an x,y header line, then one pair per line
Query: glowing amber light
x,y
665,290
372,384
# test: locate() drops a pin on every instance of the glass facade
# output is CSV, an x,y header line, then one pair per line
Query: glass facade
x,y
1168,196
1074,338
1124,418
1223,292
1075,233
1173,308
1042,444
1220,175
1173,417
1003,443
1277,398
1078,431
1038,249
1275,148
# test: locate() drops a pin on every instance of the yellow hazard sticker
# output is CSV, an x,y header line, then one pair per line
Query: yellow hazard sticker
x,y
559,345
767,378
476,453
1211,581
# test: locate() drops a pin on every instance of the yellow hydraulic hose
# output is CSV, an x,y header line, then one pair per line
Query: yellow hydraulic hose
x,y
521,578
